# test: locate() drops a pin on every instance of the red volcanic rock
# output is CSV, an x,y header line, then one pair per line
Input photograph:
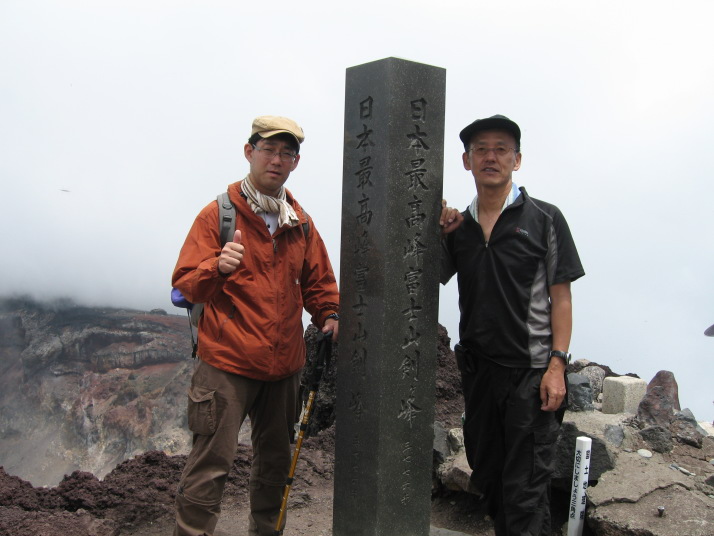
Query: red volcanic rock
x,y
449,395
16,492
661,400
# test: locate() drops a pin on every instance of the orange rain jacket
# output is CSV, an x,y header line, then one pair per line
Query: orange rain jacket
x,y
252,320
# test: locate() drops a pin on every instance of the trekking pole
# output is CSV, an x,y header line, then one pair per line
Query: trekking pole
x,y
324,351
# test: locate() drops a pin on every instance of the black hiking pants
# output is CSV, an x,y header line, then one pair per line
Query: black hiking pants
x,y
510,443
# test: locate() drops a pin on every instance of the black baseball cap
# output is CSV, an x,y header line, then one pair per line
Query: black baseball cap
x,y
495,122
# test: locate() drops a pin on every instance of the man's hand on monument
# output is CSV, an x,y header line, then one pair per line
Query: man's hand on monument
x,y
231,255
450,218
552,386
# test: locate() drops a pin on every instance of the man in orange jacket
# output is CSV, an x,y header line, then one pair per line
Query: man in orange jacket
x,y
250,346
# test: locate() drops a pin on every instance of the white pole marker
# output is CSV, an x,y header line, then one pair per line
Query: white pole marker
x,y
578,495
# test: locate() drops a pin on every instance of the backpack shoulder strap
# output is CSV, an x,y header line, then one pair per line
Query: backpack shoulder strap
x,y
226,228
306,225
226,217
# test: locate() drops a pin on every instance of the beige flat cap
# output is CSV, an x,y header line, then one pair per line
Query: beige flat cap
x,y
270,125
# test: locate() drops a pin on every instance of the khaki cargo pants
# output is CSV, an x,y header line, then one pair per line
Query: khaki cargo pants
x,y
218,404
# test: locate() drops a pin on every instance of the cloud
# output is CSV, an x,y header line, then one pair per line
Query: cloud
x,y
141,111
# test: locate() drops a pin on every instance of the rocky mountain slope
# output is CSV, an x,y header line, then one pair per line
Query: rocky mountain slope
x,y
84,388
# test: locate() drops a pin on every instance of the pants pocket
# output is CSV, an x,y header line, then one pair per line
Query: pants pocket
x,y
544,452
202,410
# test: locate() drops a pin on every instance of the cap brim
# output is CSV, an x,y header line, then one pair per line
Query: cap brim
x,y
271,133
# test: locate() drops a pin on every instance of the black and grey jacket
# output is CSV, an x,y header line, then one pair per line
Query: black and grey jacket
x,y
503,284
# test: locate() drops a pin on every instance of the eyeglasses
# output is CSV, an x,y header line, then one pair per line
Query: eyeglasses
x,y
269,154
498,151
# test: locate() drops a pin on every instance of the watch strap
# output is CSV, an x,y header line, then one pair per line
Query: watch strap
x,y
566,356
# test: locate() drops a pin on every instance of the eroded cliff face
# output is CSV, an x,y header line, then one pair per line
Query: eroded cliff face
x,y
85,388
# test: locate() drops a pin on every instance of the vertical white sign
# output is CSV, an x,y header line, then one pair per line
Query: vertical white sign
x,y
578,494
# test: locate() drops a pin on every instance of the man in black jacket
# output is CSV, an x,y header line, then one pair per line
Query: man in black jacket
x,y
514,258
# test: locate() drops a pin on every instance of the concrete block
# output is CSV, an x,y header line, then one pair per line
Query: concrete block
x,y
622,394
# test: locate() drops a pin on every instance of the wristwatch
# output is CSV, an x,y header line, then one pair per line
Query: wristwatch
x,y
566,356
333,315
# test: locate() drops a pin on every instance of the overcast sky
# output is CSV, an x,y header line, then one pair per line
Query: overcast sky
x,y
120,120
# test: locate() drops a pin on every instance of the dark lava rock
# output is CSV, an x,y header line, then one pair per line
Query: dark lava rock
x,y
684,428
658,438
600,461
580,393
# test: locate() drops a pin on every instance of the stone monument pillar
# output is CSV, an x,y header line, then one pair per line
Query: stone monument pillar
x,y
389,294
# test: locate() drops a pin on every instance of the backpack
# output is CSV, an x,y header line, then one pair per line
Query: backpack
x,y
227,226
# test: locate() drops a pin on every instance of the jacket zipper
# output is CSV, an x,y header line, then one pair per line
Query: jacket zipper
x,y
277,298
495,224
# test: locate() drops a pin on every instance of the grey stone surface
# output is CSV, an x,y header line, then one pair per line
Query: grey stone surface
x,y
455,474
441,443
614,434
685,514
625,500
390,251
580,393
456,439
596,375
684,428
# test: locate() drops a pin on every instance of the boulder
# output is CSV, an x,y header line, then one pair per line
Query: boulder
x,y
441,444
580,394
602,452
658,438
614,434
455,473
660,401
684,428
596,375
